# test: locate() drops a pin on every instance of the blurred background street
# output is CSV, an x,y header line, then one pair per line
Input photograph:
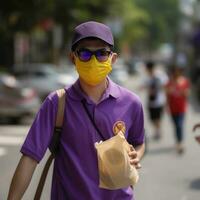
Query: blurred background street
x,y
164,174
34,46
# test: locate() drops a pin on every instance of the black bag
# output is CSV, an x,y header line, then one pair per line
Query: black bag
x,y
154,88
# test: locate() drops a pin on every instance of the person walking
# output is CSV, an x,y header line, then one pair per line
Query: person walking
x,y
177,90
156,99
75,173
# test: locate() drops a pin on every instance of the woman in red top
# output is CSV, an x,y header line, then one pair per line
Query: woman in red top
x,y
177,97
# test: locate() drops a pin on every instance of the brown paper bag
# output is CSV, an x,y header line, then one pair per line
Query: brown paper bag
x,y
115,170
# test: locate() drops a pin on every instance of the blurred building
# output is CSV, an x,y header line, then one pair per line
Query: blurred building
x,y
42,44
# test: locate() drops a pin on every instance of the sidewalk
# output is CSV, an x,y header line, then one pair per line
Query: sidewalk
x,y
165,175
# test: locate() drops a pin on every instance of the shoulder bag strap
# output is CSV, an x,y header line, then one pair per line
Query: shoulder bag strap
x,y
91,119
61,107
55,142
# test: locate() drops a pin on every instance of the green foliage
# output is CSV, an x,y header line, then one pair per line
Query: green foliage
x,y
152,21
134,20
164,17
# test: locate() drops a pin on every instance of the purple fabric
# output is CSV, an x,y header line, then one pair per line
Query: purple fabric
x,y
75,169
92,29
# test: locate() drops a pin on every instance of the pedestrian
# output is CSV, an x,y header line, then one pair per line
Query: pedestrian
x,y
156,99
110,106
177,90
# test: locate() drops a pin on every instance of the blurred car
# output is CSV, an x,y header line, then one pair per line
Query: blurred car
x,y
119,73
16,101
44,77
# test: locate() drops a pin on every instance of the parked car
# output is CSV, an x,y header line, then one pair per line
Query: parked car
x,y
44,78
16,101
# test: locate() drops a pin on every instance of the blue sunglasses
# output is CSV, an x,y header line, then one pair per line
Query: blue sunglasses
x,y
101,55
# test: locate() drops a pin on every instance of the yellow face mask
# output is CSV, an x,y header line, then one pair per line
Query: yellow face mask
x,y
93,72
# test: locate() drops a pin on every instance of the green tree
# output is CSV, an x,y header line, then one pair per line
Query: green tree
x,y
163,23
24,15
134,21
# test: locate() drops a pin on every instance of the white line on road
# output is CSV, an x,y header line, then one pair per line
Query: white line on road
x,y
184,198
2,151
11,140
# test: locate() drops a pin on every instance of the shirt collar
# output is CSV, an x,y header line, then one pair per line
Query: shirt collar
x,y
112,89
76,93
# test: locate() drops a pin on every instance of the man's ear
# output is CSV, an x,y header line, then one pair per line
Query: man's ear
x,y
114,57
71,57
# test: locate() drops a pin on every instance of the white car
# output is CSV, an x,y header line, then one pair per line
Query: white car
x,y
16,101
44,78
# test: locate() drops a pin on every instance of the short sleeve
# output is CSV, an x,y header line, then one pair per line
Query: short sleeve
x,y
136,134
187,84
41,131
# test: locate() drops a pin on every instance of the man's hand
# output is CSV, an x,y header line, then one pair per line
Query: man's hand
x,y
134,159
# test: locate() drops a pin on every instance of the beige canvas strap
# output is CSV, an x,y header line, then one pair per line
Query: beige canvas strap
x,y
59,122
61,106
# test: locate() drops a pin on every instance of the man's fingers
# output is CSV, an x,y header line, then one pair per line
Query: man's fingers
x,y
133,157
131,147
132,154
138,166
134,161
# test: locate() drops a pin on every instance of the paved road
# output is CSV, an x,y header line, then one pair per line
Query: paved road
x,y
164,175
11,138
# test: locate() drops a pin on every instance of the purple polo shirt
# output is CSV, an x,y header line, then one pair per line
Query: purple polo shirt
x,y
75,174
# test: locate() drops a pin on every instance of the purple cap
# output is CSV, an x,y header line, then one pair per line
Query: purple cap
x,y
92,29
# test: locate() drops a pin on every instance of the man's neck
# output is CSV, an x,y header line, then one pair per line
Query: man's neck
x,y
94,92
